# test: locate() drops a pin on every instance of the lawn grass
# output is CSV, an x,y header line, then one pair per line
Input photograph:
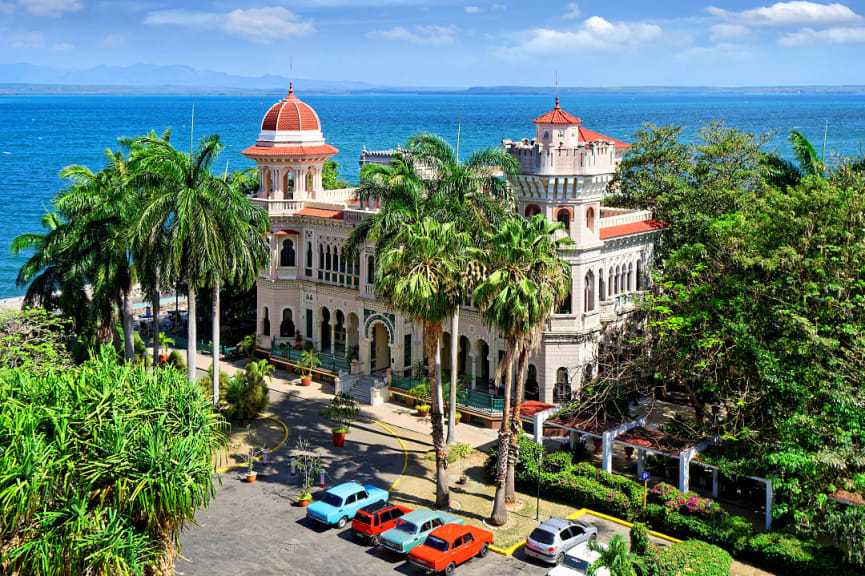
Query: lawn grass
x,y
263,431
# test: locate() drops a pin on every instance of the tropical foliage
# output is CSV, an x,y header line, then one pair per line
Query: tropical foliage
x,y
102,466
34,339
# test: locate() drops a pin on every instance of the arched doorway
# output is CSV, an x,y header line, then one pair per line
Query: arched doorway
x,y
286,327
379,348
564,216
286,254
483,370
352,334
562,391
533,391
265,322
339,334
445,344
463,356
325,331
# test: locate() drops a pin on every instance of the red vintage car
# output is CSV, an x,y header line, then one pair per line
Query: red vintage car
x,y
448,546
372,520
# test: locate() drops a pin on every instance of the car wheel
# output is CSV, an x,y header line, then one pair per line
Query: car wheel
x,y
485,549
593,538
342,522
449,571
560,557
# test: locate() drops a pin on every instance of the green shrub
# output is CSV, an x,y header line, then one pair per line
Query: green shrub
x,y
691,558
176,361
848,528
729,532
246,393
557,462
786,553
639,539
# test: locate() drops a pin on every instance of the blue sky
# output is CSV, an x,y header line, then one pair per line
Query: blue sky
x,y
451,44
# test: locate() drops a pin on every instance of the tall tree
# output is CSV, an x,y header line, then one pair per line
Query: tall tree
x,y
419,276
189,201
526,279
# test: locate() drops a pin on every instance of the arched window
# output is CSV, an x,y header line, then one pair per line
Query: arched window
x,y
286,327
321,256
589,292
610,286
531,210
590,218
565,306
309,254
286,256
630,282
310,179
327,259
602,286
620,279
265,322
562,391
370,270
588,373
564,217
335,259
546,134
640,283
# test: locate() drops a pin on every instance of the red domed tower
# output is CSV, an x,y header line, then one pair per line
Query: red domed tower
x,y
290,152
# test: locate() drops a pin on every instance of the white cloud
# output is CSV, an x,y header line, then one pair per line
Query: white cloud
x,y
266,24
419,34
473,9
723,50
116,39
573,11
50,8
28,40
257,24
62,46
725,31
839,35
593,34
797,13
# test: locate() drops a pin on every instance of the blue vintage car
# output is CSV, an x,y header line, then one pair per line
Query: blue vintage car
x,y
339,504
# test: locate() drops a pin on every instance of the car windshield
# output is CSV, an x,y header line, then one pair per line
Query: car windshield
x,y
405,526
576,563
332,499
542,536
363,518
437,544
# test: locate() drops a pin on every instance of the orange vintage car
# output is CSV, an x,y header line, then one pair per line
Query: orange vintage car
x,y
448,546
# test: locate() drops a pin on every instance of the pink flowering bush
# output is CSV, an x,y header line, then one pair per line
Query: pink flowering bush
x,y
687,503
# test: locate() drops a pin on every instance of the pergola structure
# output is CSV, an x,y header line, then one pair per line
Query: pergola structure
x,y
605,430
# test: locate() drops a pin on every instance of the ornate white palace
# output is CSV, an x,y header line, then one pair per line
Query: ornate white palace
x,y
312,292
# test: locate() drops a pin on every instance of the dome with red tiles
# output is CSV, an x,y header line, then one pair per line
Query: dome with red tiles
x,y
290,115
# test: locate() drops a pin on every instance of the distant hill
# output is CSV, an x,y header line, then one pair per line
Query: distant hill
x,y
179,79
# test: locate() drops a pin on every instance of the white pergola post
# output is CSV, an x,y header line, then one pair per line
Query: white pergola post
x,y
573,440
715,483
539,419
769,499
684,470
607,451
641,461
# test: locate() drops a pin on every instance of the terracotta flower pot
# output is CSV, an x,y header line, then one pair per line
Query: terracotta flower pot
x,y
339,439
598,444
306,381
303,503
163,358
251,476
422,412
629,453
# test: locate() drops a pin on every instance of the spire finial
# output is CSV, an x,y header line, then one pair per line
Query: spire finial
x,y
557,89
290,75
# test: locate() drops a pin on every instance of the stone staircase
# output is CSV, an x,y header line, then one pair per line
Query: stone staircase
x,y
360,389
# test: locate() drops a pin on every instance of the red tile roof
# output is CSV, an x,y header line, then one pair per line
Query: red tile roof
x,y
587,135
285,233
290,114
321,213
632,228
557,116
289,151
532,407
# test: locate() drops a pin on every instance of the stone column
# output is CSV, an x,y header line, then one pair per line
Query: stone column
x,y
473,370
316,334
332,337
363,355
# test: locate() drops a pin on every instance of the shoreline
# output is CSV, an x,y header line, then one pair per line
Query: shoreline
x,y
165,304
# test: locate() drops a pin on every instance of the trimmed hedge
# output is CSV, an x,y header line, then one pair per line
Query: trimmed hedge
x,y
787,553
685,516
692,558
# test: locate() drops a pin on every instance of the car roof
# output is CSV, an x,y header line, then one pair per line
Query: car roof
x,y
449,531
376,506
421,515
554,523
346,489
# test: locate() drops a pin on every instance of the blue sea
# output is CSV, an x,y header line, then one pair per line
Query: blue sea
x,y
39,135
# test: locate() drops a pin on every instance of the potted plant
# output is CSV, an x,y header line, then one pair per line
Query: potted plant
x,y
247,346
462,450
164,342
343,410
457,418
251,474
308,464
419,394
308,362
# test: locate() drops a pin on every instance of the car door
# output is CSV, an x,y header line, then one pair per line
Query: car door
x,y
467,548
425,529
457,550
577,534
359,501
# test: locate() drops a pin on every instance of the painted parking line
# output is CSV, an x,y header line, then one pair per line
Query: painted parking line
x,y
404,453
277,447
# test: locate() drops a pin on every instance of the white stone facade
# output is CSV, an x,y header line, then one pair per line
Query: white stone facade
x,y
310,289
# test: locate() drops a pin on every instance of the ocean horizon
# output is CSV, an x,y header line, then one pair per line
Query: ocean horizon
x,y
39,135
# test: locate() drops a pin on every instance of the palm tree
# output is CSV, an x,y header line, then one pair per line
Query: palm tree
x,y
418,274
783,173
526,279
49,275
102,209
616,558
189,202
246,250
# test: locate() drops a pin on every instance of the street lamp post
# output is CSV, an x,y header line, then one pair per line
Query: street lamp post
x,y
540,464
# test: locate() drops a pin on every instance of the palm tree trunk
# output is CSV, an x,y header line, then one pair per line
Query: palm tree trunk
x,y
500,514
191,335
431,334
516,424
216,343
438,368
156,326
128,327
452,400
